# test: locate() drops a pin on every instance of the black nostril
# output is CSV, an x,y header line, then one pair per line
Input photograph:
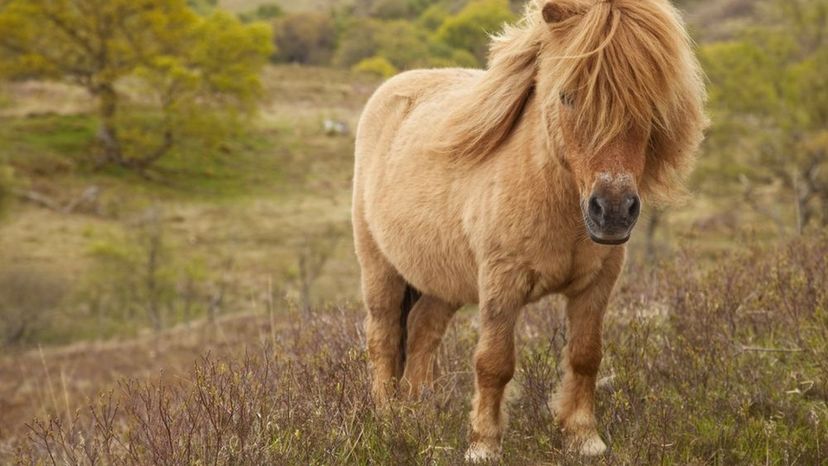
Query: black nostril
x,y
633,206
596,210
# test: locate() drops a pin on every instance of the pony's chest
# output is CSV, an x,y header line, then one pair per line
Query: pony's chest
x,y
567,267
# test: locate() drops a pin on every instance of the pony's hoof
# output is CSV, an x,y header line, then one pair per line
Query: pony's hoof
x,y
592,445
479,452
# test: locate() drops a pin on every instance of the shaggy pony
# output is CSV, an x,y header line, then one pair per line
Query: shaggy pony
x,y
502,186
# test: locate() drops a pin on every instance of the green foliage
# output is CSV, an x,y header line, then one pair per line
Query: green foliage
x,y
433,17
137,279
30,295
189,64
203,6
307,38
391,9
268,11
768,86
358,41
469,28
402,43
377,66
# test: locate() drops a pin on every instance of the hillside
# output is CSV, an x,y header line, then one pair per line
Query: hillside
x,y
240,221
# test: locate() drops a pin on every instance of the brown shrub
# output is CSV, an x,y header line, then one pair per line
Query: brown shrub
x,y
720,364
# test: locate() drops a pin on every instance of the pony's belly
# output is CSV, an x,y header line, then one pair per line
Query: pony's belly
x,y
433,258
445,279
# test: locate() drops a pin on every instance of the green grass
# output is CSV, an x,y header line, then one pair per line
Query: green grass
x,y
62,148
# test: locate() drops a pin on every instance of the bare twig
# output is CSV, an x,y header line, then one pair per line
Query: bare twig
x,y
743,348
88,195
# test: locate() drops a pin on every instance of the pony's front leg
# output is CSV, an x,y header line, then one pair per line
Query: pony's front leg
x,y
502,297
574,403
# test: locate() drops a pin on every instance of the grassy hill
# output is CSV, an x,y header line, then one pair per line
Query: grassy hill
x,y
240,221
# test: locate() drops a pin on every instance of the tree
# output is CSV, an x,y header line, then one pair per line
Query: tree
x,y
190,61
403,44
268,11
469,28
203,6
307,38
769,86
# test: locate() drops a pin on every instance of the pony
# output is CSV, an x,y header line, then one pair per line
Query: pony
x,y
501,186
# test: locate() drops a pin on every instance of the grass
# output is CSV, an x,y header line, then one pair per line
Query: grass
x,y
725,366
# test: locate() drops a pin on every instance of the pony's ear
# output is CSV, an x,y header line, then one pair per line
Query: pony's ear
x,y
555,12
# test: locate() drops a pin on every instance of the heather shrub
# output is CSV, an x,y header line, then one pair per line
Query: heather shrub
x,y
703,364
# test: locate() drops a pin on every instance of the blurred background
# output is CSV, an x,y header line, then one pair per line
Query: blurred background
x,y
166,163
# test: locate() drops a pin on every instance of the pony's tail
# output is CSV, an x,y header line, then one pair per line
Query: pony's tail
x,y
410,297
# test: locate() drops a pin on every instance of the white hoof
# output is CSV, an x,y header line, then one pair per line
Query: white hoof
x,y
479,452
592,446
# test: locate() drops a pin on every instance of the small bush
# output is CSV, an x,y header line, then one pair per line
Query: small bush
x,y
377,66
268,11
470,28
307,38
28,295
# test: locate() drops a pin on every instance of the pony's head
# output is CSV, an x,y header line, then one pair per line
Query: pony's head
x,y
621,95
623,103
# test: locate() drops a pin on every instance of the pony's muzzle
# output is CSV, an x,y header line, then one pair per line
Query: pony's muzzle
x,y
610,217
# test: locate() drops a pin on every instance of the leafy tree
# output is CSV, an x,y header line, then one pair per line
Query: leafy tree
x,y
186,62
433,17
306,37
469,28
768,88
358,41
405,45
203,6
392,9
268,11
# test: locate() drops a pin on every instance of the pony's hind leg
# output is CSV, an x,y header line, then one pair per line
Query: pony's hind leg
x,y
574,403
384,293
426,325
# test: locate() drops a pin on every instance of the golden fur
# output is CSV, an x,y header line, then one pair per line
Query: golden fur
x,y
468,186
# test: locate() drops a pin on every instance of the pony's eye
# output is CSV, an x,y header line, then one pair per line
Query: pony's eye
x,y
567,99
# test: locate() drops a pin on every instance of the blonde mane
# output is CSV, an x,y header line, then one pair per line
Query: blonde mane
x,y
623,62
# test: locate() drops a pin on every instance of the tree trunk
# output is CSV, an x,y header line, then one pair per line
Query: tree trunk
x,y
304,283
108,132
652,226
